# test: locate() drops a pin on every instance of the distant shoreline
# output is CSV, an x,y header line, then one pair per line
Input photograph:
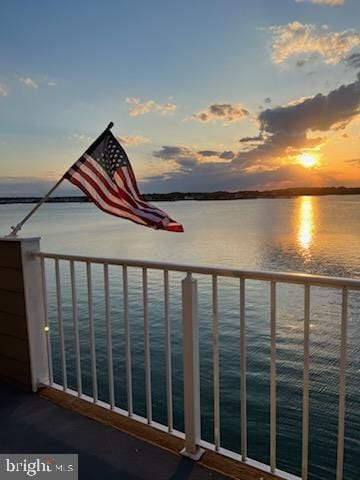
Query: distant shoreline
x,y
201,196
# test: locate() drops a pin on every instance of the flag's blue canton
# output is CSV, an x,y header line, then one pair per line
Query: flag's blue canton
x,y
110,155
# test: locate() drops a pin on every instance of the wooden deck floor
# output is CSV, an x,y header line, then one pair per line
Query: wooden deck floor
x,y
210,460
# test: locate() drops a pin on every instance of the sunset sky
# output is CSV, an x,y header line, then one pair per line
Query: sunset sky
x,y
204,94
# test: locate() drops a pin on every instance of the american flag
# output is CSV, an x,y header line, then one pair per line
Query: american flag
x,y
106,177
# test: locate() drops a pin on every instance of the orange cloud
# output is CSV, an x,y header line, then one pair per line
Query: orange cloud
x,y
225,112
141,108
332,3
296,39
133,140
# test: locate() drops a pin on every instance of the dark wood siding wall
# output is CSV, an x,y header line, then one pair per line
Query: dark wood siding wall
x,y
14,352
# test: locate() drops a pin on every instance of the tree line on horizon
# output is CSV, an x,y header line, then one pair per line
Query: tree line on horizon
x,y
218,195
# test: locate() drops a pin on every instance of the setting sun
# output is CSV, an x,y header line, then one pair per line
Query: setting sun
x,y
307,160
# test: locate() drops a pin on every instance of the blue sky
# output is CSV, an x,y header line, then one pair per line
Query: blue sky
x,y
67,68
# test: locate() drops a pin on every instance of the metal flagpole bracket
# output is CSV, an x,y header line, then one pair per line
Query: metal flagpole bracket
x,y
14,230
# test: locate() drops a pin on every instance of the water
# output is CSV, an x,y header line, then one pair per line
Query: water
x,y
308,234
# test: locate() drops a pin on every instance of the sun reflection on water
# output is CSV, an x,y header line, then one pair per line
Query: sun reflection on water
x,y
305,224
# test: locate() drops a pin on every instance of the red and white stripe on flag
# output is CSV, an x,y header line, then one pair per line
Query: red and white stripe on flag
x,y
118,195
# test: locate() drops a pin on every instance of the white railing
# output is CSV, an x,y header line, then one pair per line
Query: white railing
x,y
192,433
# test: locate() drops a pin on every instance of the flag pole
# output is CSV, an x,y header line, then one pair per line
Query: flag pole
x,y
17,228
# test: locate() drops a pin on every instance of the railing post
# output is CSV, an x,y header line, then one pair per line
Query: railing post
x,y
23,354
191,369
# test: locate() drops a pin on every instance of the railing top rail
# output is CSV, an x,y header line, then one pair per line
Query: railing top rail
x,y
223,271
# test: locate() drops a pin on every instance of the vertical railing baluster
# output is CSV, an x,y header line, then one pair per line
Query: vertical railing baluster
x,y
147,349
61,326
305,406
243,414
192,413
342,385
129,392
76,328
216,374
109,337
46,323
168,363
91,334
273,377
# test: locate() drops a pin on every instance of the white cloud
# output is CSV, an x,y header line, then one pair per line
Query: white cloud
x,y
133,140
141,108
3,91
332,3
29,82
296,39
80,137
226,112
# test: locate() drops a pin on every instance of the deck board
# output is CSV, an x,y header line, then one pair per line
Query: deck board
x,y
210,460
